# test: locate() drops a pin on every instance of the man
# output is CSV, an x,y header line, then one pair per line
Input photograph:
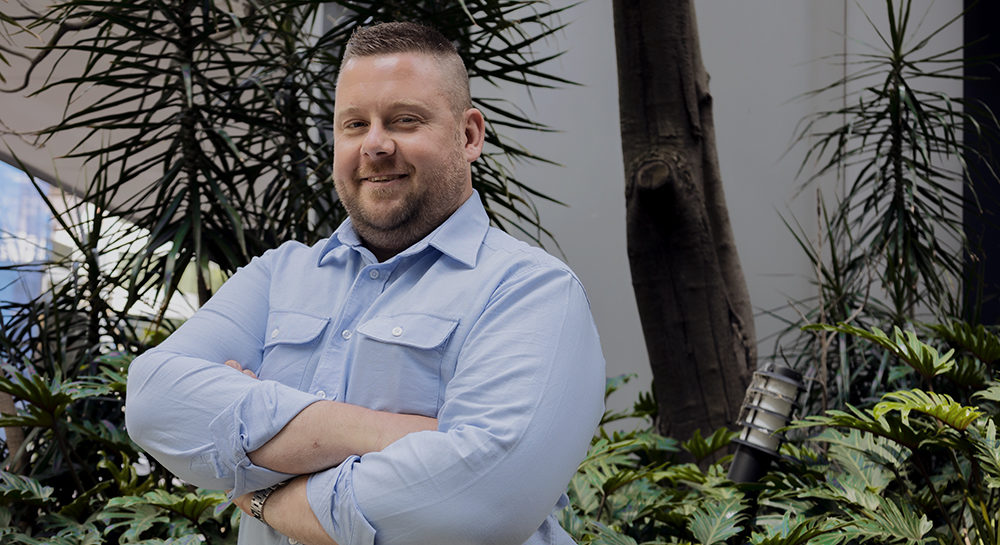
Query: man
x,y
418,377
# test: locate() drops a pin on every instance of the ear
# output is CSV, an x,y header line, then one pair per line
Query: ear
x,y
474,126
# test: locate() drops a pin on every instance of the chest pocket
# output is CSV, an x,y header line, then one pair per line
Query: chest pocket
x,y
292,347
397,364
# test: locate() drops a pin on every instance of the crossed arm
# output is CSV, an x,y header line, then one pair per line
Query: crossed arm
x,y
517,417
320,437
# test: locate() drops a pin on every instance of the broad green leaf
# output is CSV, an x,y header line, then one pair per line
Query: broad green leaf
x,y
16,488
717,520
990,394
888,425
987,446
607,536
701,448
870,475
978,340
892,521
136,519
794,529
940,406
923,358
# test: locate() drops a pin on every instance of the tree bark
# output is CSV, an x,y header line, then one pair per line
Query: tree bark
x,y
692,298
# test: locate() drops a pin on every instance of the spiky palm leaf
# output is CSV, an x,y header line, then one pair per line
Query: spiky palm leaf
x,y
211,130
898,137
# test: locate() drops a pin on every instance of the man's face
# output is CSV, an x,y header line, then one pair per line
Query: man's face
x,y
401,148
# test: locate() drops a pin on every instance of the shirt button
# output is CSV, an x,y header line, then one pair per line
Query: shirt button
x,y
397,331
274,333
321,393
346,334
373,273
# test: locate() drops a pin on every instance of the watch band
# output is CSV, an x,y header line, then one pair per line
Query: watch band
x,y
258,499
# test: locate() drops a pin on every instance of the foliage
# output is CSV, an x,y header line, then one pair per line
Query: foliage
x,y
205,128
891,245
917,467
211,126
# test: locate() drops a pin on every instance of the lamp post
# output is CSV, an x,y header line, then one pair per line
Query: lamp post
x,y
768,404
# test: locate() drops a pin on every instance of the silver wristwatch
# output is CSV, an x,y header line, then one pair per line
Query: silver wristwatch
x,y
258,499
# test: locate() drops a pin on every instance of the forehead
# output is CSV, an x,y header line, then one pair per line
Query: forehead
x,y
384,76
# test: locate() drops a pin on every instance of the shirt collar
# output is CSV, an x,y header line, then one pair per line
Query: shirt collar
x,y
459,237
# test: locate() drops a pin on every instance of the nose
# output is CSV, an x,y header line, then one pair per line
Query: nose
x,y
378,142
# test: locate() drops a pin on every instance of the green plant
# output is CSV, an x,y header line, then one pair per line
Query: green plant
x,y
207,144
891,245
211,125
920,466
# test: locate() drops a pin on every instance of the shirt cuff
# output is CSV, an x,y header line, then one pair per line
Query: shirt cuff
x,y
247,424
331,497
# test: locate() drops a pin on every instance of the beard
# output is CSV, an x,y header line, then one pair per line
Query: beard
x,y
431,196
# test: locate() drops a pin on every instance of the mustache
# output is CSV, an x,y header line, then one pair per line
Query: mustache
x,y
387,170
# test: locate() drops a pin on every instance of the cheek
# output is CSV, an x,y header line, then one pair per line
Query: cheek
x,y
343,160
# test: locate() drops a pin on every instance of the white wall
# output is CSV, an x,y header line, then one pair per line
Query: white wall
x,y
761,55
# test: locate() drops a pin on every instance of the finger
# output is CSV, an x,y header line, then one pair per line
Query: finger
x,y
249,373
234,364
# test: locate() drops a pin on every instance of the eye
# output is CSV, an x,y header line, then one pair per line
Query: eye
x,y
354,124
407,119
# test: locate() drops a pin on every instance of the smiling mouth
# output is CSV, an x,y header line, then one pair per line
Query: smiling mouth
x,y
383,178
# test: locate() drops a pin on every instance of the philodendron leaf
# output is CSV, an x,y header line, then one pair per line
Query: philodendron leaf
x,y
940,406
136,519
988,452
18,489
717,520
701,448
976,339
890,521
992,393
923,358
608,536
795,529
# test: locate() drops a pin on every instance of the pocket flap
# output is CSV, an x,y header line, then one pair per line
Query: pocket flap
x,y
416,330
287,327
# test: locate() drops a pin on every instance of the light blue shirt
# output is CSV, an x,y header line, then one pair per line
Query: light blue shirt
x,y
492,337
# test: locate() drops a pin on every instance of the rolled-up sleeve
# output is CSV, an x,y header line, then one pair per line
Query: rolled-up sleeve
x,y
200,418
517,418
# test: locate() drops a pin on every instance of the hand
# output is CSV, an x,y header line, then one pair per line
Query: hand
x,y
243,502
235,365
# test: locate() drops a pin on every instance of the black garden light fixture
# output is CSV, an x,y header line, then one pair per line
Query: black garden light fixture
x,y
768,405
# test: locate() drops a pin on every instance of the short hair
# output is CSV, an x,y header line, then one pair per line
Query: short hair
x,y
408,37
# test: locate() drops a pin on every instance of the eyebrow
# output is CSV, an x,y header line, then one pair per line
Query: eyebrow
x,y
398,105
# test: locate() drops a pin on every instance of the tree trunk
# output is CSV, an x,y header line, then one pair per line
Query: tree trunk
x,y
689,286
